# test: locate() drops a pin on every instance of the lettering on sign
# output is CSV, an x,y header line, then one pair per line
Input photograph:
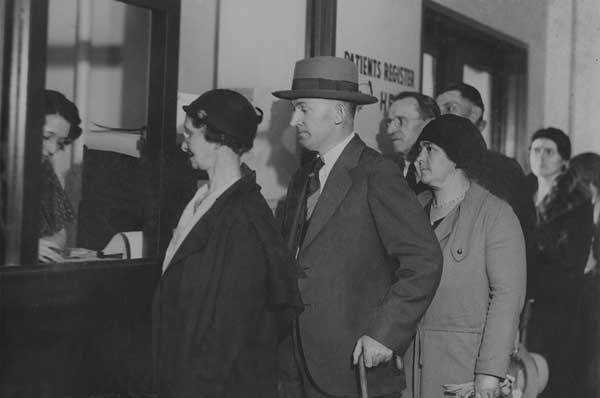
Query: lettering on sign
x,y
385,71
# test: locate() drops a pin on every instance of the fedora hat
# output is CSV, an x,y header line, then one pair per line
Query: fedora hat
x,y
326,77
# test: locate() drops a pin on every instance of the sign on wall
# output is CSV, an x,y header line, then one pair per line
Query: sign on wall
x,y
384,41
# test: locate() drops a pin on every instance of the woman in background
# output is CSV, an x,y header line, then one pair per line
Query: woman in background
x,y
61,128
467,335
228,280
564,233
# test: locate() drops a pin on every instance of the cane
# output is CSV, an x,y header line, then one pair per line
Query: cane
x,y
362,375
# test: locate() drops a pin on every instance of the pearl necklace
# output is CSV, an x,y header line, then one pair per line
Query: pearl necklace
x,y
449,202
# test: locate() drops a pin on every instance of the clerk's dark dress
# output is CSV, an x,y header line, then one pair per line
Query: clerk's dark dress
x,y
224,301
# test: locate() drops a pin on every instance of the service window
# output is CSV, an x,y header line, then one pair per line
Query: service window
x,y
92,129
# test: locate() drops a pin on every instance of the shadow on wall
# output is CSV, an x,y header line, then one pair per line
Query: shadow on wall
x,y
383,139
281,137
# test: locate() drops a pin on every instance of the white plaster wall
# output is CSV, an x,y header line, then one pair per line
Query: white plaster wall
x,y
259,44
197,45
559,41
386,30
585,122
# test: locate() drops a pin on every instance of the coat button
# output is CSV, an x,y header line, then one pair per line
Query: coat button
x,y
459,251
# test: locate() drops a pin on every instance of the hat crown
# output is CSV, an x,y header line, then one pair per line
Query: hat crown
x,y
227,112
328,78
326,67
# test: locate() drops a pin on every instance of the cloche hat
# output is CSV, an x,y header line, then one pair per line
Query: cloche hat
x,y
226,112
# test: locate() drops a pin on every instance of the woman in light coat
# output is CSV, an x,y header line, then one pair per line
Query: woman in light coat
x,y
468,334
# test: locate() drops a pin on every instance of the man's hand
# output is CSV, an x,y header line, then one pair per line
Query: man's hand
x,y
486,386
374,353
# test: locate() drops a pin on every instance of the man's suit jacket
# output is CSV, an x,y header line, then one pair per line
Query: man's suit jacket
x,y
372,265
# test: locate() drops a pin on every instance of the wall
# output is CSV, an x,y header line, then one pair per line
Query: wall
x,y
585,90
384,40
526,22
250,47
564,60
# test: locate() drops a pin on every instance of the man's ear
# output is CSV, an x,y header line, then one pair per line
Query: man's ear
x,y
481,124
340,113
477,116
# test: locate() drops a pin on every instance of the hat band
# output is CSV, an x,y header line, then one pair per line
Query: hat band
x,y
310,83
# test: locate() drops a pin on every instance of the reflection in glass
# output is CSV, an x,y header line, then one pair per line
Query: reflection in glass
x,y
98,55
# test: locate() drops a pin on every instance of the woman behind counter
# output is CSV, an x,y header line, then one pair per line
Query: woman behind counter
x,y
228,279
564,233
56,212
468,333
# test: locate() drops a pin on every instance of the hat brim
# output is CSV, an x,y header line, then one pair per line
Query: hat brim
x,y
350,96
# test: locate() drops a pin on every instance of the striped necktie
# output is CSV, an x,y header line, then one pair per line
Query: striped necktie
x,y
313,187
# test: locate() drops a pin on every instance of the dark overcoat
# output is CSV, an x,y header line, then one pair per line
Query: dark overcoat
x,y
220,305
372,265
564,235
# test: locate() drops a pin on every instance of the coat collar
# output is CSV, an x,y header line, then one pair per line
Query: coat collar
x,y
459,222
335,189
204,226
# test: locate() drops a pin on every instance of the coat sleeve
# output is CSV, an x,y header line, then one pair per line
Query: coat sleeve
x,y
238,306
409,241
506,272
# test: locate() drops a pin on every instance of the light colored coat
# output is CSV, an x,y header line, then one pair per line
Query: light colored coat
x,y
471,324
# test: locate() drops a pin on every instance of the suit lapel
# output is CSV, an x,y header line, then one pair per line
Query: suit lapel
x,y
337,185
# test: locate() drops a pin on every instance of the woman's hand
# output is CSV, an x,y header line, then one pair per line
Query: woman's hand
x,y
486,386
49,252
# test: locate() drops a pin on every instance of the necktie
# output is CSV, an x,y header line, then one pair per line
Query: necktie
x,y
411,176
309,196
313,186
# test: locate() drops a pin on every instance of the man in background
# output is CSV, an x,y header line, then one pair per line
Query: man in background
x,y
408,114
465,100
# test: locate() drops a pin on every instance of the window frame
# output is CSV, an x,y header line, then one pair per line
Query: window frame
x,y
22,116
504,57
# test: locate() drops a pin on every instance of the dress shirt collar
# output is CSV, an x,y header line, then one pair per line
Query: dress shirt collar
x,y
330,157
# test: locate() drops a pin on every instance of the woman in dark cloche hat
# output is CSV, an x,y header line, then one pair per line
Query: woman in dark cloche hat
x,y
228,286
467,334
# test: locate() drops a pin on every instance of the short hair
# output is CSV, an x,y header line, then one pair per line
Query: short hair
x,y
426,106
56,103
217,137
469,93
562,141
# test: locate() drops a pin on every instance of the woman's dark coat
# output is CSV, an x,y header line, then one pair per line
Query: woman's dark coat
x,y
564,233
219,309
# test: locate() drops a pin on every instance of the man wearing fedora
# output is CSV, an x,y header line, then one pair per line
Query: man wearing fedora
x,y
371,261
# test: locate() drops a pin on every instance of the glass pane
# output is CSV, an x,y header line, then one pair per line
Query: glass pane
x,y
428,74
482,81
93,187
